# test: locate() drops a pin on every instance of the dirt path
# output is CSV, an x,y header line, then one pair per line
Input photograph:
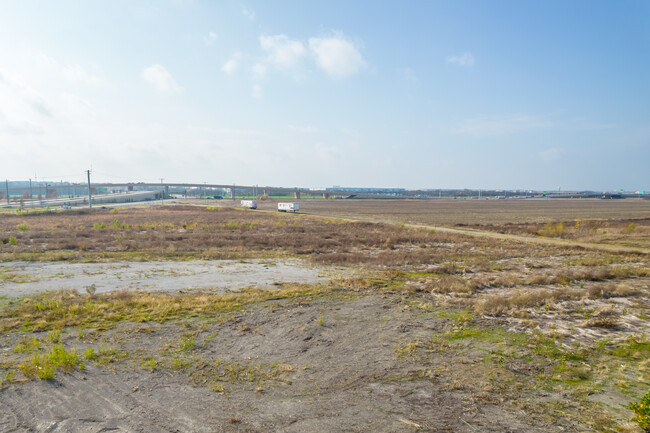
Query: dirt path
x,y
525,239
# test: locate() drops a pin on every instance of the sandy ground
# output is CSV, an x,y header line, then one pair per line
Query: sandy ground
x,y
343,375
25,278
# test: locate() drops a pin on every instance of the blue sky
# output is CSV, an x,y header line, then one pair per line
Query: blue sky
x,y
419,94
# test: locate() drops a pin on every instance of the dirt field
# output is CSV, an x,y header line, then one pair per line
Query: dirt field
x,y
480,212
29,278
419,331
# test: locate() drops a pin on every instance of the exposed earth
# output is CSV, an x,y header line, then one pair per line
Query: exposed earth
x,y
218,276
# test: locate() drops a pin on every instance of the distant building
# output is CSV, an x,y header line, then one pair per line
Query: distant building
x,y
366,190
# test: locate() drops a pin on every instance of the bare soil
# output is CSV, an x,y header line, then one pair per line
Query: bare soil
x,y
340,373
218,276
479,212
424,331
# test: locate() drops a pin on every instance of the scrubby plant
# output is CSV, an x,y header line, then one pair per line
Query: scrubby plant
x,y
642,410
22,227
550,230
117,224
13,240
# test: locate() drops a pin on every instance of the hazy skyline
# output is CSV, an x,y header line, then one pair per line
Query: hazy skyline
x,y
467,94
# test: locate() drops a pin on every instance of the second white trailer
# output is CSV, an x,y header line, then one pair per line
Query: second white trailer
x,y
288,207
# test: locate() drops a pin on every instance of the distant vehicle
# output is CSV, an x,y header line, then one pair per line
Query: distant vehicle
x,y
249,204
66,206
218,197
288,207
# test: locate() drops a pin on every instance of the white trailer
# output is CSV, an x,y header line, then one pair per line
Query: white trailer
x,y
288,207
249,204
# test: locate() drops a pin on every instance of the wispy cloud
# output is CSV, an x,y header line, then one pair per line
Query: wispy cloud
x,y
232,65
224,131
210,38
23,110
259,71
500,125
283,52
73,73
465,59
305,129
337,55
328,153
161,80
76,73
408,75
550,155
583,124
258,92
248,13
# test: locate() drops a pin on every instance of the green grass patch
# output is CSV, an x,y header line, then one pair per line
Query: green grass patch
x,y
58,310
44,365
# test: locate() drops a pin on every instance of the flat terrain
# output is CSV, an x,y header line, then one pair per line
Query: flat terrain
x,y
483,212
29,278
409,330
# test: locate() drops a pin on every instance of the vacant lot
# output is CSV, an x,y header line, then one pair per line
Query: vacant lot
x,y
424,331
479,212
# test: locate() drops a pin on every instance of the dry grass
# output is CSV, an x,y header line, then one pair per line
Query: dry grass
x,y
62,309
196,233
485,212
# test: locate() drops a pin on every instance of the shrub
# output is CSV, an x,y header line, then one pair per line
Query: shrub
x,y
13,240
642,411
550,230
22,227
117,224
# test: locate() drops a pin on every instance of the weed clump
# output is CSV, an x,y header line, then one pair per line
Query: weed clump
x,y
553,231
642,411
44,365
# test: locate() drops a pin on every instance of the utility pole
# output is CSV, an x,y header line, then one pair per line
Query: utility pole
x,y
90,198
7,189
162,192
31,196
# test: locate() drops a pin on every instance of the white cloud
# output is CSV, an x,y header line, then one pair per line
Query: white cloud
x,y
305,129
501,125
77,73
259,71
20,101
161,80
248,13
73,73
327,153
210,38
283,52
550,155
258,92
409,76
336,55
466,59
231,66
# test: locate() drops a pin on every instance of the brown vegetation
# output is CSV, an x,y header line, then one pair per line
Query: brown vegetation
x,y
547,334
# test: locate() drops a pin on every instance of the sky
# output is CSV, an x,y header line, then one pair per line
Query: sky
x,y
415,94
